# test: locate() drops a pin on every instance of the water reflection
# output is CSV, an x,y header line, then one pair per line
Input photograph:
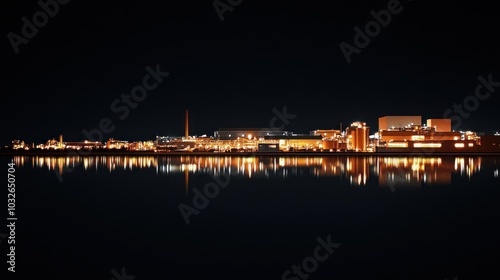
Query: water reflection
x,y
357,170
427,170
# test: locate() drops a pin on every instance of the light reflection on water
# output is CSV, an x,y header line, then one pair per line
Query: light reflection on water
x,y
357,170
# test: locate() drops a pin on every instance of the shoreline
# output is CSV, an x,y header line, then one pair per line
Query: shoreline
x,y
244,154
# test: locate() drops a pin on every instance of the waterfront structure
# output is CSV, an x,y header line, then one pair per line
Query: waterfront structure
x,y
83,145
297,142
18,144
116,144
396,134
357,137
431,146
437,136
141,146
52,144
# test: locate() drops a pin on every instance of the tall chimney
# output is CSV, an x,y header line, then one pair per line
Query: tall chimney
x,y
60,141
187,125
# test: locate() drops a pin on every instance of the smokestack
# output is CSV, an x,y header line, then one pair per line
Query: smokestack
x,y
187,125
60,141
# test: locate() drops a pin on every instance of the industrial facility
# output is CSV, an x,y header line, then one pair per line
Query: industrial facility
x,y
396,134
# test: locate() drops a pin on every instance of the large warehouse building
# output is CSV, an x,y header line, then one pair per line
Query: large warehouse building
x,y
441,125
396,122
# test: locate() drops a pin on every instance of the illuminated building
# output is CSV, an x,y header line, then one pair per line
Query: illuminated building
x,y
185,144
469,135
84,145
401,135
18,144
419,133
296,142
52,145
257,133
437,136
396,134
141,146
440,125
398,122
116,144
327,133
162,140
332,138
329,144
431,146
358,136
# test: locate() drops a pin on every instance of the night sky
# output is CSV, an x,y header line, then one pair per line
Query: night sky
x,y
263,55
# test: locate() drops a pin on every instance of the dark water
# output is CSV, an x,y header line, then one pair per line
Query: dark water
x,y
394,218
